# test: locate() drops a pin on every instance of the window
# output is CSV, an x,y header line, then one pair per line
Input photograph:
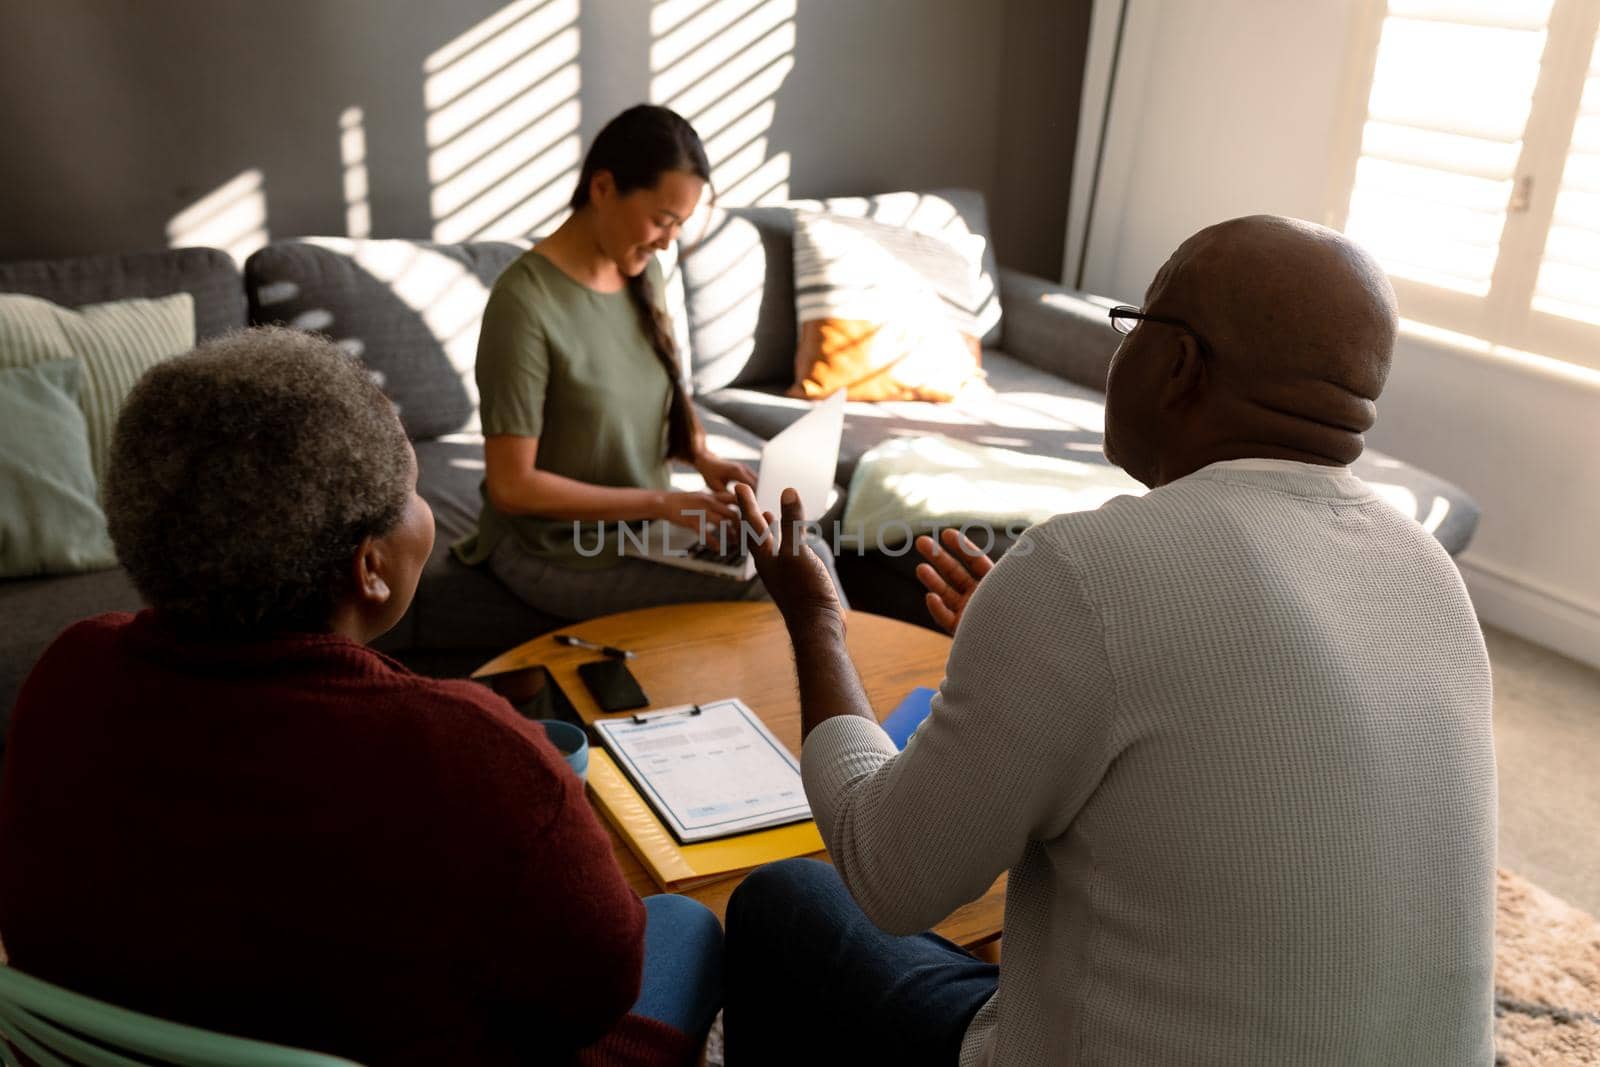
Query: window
x,y
1477,178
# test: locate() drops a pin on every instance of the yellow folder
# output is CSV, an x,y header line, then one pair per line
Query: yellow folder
x,y
677,867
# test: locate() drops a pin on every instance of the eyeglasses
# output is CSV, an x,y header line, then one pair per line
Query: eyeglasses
x,y
1124,318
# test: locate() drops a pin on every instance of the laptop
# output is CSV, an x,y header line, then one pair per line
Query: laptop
x,y
802,457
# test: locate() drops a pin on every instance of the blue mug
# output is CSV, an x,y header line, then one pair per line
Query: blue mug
x,y
571,742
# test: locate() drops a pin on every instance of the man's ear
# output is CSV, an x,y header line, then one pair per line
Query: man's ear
x,y
1187,374
368,569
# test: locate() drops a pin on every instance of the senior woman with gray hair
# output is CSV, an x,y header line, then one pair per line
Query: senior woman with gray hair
x,y
227,810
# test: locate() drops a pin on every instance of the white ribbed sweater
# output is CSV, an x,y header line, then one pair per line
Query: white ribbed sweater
x,y
1232,741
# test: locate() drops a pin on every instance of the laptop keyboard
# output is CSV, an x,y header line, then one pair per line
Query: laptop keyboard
x,y
711,554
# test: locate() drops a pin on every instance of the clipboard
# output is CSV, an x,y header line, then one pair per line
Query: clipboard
x,y
677,868
708,770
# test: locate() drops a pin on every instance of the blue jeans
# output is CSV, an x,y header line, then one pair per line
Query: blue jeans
x,y
811,980
682,983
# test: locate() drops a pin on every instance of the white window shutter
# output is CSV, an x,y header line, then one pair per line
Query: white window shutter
x,y
1452,90
1568,285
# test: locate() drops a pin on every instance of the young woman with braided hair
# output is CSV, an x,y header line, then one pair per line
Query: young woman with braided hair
x,y
581,391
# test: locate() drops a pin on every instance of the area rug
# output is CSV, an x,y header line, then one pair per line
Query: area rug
x,y
1546,975
1547,978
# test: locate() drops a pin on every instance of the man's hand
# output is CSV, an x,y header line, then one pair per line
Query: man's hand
x,y
803,590
951,575
796,579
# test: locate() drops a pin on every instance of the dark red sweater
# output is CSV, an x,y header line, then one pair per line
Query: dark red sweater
x,y
300,840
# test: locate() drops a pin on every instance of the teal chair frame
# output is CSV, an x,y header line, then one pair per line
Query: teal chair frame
x,y
55,1027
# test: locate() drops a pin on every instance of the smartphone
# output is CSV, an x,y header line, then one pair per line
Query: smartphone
x,y
612,685
532,691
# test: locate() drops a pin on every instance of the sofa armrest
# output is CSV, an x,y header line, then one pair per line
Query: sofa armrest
x,y
1056,329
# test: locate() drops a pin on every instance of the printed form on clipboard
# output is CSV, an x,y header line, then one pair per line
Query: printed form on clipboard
x,y
709,770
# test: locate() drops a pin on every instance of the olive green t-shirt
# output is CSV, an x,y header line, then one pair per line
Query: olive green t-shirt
x,y
572,367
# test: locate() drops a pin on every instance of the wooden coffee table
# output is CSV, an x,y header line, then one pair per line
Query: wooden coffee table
x,y
687,653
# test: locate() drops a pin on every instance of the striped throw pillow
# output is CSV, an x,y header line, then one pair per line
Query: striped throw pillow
x,y
117,343
885,312
50,521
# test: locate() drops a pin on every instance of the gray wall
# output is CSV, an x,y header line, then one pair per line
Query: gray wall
x,y
1043,54
117,114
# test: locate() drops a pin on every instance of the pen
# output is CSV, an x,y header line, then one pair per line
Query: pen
x,y
608,650
641,719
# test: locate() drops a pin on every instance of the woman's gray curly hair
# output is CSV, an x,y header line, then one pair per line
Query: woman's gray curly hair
x,y
245,474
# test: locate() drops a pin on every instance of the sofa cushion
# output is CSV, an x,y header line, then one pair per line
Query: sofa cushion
x,y
908,486
954,214
1030,410
885,312
207,274
739,280
116,343
50,517
1063,331
409,309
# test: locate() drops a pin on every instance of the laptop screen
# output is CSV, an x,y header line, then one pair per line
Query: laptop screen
x,y
803,458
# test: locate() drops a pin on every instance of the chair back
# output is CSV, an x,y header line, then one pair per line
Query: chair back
x,y
54,1027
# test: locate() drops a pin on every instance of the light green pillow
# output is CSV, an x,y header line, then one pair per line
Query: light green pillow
x,y
919,485
50,520
117,343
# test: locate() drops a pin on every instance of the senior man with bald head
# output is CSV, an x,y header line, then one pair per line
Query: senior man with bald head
x,y
1231,739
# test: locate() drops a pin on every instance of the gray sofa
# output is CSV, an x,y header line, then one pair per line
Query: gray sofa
x,y
1046,361
461,615
409,308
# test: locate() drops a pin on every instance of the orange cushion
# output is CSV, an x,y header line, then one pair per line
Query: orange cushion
x,y
883,360
884,311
